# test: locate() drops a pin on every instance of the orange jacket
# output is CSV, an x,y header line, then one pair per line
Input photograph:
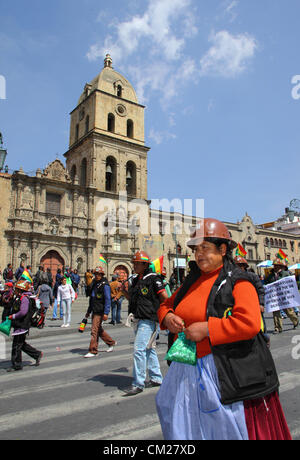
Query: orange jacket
x,y
243,324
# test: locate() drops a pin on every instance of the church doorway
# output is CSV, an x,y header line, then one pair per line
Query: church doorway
x,y
53,261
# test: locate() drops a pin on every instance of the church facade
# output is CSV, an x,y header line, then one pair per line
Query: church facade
x,y
97,203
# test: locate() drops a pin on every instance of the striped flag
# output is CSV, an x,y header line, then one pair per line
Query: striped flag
x,y
282,255
101,259
157,265
240,251
26,276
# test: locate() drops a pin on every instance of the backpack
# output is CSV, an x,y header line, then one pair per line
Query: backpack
x,y
37,314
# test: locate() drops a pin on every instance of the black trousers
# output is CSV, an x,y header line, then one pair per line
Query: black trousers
x,y
19,344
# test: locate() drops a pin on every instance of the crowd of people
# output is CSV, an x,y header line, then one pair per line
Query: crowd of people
x,y
232,391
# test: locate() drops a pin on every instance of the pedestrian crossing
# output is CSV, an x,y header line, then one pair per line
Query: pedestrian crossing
x,y
73,398
68,390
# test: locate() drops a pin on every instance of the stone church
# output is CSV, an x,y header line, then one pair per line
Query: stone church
x,y
97,203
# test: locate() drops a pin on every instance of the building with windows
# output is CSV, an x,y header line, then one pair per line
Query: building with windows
x,y
97,203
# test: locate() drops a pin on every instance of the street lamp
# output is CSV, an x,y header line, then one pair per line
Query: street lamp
x,y
174,235
3,153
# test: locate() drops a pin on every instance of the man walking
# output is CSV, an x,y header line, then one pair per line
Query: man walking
x,y
280,271
99,306
145,293
115,300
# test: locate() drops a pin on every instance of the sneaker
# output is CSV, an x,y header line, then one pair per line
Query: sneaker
x,y
152,384
67,325
110,349
37,362
90,355
63,325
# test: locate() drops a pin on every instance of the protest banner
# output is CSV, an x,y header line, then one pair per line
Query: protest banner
x,y
282,294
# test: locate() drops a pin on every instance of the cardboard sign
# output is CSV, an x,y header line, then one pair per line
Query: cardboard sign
x,y
282,294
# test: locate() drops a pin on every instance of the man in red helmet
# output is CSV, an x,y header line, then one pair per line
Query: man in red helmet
x,y
20,317
145,293
99,305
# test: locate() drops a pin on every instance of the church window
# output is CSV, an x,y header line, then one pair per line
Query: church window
x,y
87,124
111,123
73,173
83,173
77,132
119,91
53,203
117,243
130,128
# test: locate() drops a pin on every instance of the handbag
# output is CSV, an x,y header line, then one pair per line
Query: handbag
x,y
5,327
183,351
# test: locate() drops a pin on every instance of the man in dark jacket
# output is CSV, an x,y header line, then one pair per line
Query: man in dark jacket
x,y
20,318
19,271
145,293
280,271
99,306
8,274
6,299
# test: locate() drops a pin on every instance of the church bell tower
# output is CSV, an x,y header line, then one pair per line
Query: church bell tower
x,y
107,149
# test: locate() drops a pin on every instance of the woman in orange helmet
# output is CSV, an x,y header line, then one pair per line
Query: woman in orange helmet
x,y
232,391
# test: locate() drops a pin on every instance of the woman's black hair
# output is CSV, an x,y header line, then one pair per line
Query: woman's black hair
x,y
227,259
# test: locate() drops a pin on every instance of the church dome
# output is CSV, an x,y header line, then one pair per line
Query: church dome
x,y
111,82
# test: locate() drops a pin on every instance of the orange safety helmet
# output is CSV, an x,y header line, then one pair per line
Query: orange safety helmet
x,y
210,228
241,261
141,256
99,270
23,285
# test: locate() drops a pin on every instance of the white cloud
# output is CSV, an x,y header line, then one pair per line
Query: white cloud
x,y
161,136
154,28
151,49
228,55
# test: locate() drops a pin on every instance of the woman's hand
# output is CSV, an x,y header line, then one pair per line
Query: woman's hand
x,y
173,323
196,331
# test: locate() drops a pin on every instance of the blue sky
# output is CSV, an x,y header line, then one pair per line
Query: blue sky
x,y
215,76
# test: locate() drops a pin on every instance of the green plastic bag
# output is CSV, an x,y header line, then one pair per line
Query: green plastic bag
x,y
5,327
183,351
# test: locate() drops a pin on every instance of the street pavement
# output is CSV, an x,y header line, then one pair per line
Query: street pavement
x,y
69,397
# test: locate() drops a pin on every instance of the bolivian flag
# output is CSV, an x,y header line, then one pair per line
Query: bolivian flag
x,y
282,255
26,276
157,265
240,251
101,259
